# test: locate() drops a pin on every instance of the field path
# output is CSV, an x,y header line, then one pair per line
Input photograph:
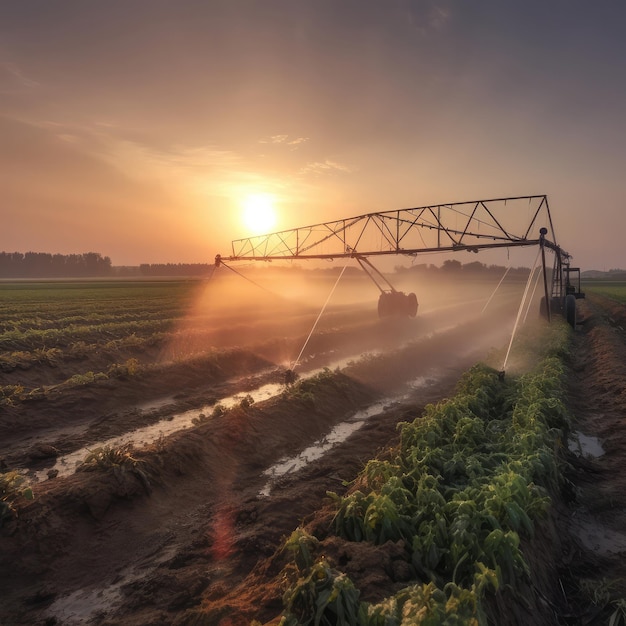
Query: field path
x,y
597,514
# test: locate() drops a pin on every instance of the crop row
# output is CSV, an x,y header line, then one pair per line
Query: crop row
x,y
53,337
613,290
466,484
56,315
55,301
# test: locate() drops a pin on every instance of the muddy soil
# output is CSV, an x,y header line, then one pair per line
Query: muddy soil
x,y
188,529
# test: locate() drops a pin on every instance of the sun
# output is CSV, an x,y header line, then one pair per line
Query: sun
x,y
259,214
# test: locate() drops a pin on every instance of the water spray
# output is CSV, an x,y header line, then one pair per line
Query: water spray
x,y
519,315
290,373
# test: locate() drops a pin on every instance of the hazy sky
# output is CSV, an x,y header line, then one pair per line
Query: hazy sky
x,y
136,128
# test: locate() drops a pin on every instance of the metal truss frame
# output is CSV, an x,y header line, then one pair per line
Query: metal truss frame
x,y
457,226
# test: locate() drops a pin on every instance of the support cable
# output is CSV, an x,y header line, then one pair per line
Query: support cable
x,y
248,279
209,278
521,308
495,290
330,295
532,295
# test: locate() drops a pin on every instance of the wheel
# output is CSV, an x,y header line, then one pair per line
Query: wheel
x,y
397,303
384,305
570,309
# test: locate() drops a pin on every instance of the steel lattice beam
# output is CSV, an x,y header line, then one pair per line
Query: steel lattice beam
x,y
474,225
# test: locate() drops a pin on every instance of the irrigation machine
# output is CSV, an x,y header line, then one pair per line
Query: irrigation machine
x,y
455,227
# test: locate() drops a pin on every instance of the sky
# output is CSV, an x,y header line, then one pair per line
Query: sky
x,y
140,129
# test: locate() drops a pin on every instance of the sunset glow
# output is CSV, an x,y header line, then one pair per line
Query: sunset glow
x,y
259,213
137,129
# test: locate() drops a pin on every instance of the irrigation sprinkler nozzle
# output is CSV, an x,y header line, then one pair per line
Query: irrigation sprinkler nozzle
x,y
501,375
290,377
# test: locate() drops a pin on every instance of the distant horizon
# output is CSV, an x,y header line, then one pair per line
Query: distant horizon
x,y
301,264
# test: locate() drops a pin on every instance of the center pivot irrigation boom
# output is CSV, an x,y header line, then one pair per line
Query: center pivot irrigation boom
x,y
454,227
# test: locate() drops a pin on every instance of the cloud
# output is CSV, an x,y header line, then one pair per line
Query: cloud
x,y
298,141
14,80
326,167
431,15
274,139
284,139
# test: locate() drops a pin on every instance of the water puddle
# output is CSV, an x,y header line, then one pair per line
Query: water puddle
x,y
80,606
317,450
585,445
596,537
66,464
337,435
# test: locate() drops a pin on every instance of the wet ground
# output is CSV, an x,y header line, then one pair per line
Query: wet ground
x,y
210,496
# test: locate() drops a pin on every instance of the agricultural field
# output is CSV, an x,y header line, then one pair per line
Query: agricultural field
x,y
156,467
613,290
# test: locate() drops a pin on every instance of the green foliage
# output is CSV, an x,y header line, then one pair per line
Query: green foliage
x,y
87,378
116,460
322,597
89,331
12,487
10,393
428,605
219,410
307,390
602,594
123,370
301,545
468,479
107,457
609,289
618,617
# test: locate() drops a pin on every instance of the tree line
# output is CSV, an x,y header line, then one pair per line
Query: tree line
x,y
93,264
46,265
176,269
452,266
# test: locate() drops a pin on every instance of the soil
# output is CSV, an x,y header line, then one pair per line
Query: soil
x,y
183,532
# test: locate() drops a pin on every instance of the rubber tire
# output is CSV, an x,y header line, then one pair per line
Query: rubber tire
x,y
384,305
570,309
397,304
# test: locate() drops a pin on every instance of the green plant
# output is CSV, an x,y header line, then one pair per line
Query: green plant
x,y
618,617
116,460
321,597
86,378
302,546
10,393
122,370
246,402
12,486
469,477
